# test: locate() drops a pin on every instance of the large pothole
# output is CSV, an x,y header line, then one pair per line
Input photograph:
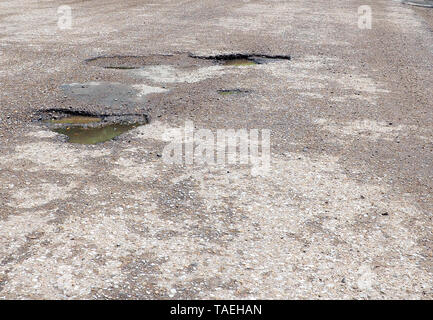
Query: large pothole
x,y
85,128
183,60
137,62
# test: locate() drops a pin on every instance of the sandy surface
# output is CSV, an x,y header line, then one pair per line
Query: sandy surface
x,y
345,211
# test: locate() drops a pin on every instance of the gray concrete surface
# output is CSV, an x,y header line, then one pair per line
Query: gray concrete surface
x,y
345,212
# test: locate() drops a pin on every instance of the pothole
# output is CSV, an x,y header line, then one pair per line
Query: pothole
x,y
227,92
419,3
138,62
76,120
83,128
121,67
243,59
119,62
184,60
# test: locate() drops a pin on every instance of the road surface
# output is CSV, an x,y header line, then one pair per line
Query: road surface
x,y
344,212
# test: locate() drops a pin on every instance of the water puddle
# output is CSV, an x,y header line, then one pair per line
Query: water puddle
x,y
239,62
83,128
94,135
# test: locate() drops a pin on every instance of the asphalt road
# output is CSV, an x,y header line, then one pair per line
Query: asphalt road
x,y
345,210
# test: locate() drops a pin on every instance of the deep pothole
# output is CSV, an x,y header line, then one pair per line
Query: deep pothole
x,y
182,60
126,62
241,59
86,128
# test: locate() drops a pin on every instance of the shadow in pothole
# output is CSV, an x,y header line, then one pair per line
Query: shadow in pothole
x,y
227,92
240,59
85,128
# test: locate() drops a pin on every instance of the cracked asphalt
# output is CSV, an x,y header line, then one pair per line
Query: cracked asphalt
x,y
345,211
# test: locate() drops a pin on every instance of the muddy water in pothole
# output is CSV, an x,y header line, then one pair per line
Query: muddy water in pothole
x,y
93,135
227,92
239,62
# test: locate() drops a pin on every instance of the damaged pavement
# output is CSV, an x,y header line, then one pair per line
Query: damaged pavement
x,y
344,213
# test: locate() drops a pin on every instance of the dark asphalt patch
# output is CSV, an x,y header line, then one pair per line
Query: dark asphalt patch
x,y
104,93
